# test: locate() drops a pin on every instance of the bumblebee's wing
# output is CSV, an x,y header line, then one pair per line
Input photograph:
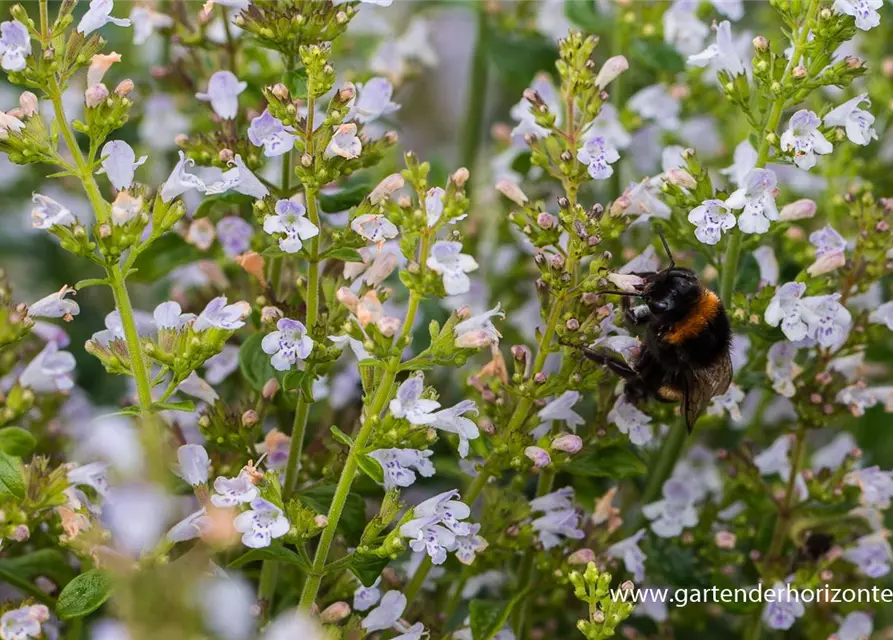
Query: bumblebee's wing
x,y
700,385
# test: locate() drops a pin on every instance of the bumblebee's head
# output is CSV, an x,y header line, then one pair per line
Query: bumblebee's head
x,y
671,293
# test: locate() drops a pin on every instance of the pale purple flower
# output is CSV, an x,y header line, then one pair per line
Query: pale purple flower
x,y
857,122
447,509
434,205
293,624
49,332
607,125
227,606
768,265
883,315
859,397
857,625
99,15
119,163
833,454
261,524
803,139
557,525
711,218
557,500
628,347
781,368
743,161
239,179
568,443
699,469
137,516
876,486
448,260
289,345
290,221
656,103
738,350
723,54
633,557
194,386
374,227
775,459
675,511
223,94
23,623
221,315
180,181
169,316
47,213
234,234
671,158
864,11
220,366
729,402
452,420
872,555
828,321
355,345
611,69
786,308
366,597
386,614
344,143
599,155
829,250
409,403
268,132
644,201
373,100
429,536
539,456
190,527
683,29
478,331
50,371
642,263
757,198
562,410
525,118
782,611
93,475
55,305
146,21
194,463
631,421
231,492
398,465
15,45
468,546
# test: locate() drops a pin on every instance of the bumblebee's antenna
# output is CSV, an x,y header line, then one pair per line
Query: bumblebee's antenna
x,y
660,232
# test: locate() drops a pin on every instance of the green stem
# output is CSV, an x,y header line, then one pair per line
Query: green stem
x,y
267,588
132,338
296,447
477,93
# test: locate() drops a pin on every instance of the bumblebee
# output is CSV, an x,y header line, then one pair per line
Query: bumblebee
x,y
685,356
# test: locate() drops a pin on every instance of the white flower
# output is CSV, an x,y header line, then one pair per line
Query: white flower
x,y
55,305
220,366
658,104
643,201
386,614
675,512
452,420
478,331
468,546
288,345
781,368
137,515
872,554
612,68
99,15
50,371
682,29
768,265
289,220
743,160
409,403
633,557
435,524
757,198
374,227
146,21
366,597
561,409
373,100
782,611
398,465
775,458
231,492
859,397
345,142
833,454
828,321
738,351
24,622
723,53
830,247
169,316
93,475
864,11
239,179
883,315
876,486
857,122
804,140
223,94
119,162
268,132
448,260
194,462
261,524
221,315
728,402
856,625
15,45
192,526
631,421
47,213
599,155
180,181
786,307
711,218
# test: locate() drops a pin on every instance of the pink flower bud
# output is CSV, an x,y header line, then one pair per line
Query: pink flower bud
x,y
460,177
348,298
335,612
347,92
270,314
124,88
249,418
28,102
388,325
581,556
271,387
386,187
539,456
612,68
99,64
21,533
280,91
567,442
545,220
95,95
512,191
725,540
827,263
320,520
39,612
797,210
681,178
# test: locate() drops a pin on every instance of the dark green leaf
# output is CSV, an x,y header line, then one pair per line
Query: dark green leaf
x,y
340,436
279,554
163,256
296,81
16,441
584,14
84,595
350,196
487,618
368,568
12,480
254,363
89,282
657,56
371,468
294,379
50,563
613,462
353,518
518,58
346,254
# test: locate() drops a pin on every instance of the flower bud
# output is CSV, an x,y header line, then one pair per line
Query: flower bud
x,y
386,187
460,177
249,418
797,210
253,264
28,102
226,155
725,540
826,263
347,92
95,95
388,326
581,556
539,456
270,389
348,298
271,314
568,443
545,220
99,64
681,178
280,91
320,520
612,68
335,612
124,88
512,191
521,352
853,62
761,44
540,377
799,72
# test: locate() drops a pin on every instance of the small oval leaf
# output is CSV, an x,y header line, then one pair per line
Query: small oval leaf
x,y
16,441
84,595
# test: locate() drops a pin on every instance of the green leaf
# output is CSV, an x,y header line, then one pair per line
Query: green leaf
x,y
584,14
340,436
16,441
129,410
657,56
371,468
84,595
12,479
279,554
296,81
350,196
488,617
368,568
353,518
89,282
518,58
184,405
228,198
614,462
254,363
163,256
51,563
345,254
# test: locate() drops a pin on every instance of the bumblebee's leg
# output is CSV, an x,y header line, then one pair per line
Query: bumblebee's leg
x,y
614,364
634,316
